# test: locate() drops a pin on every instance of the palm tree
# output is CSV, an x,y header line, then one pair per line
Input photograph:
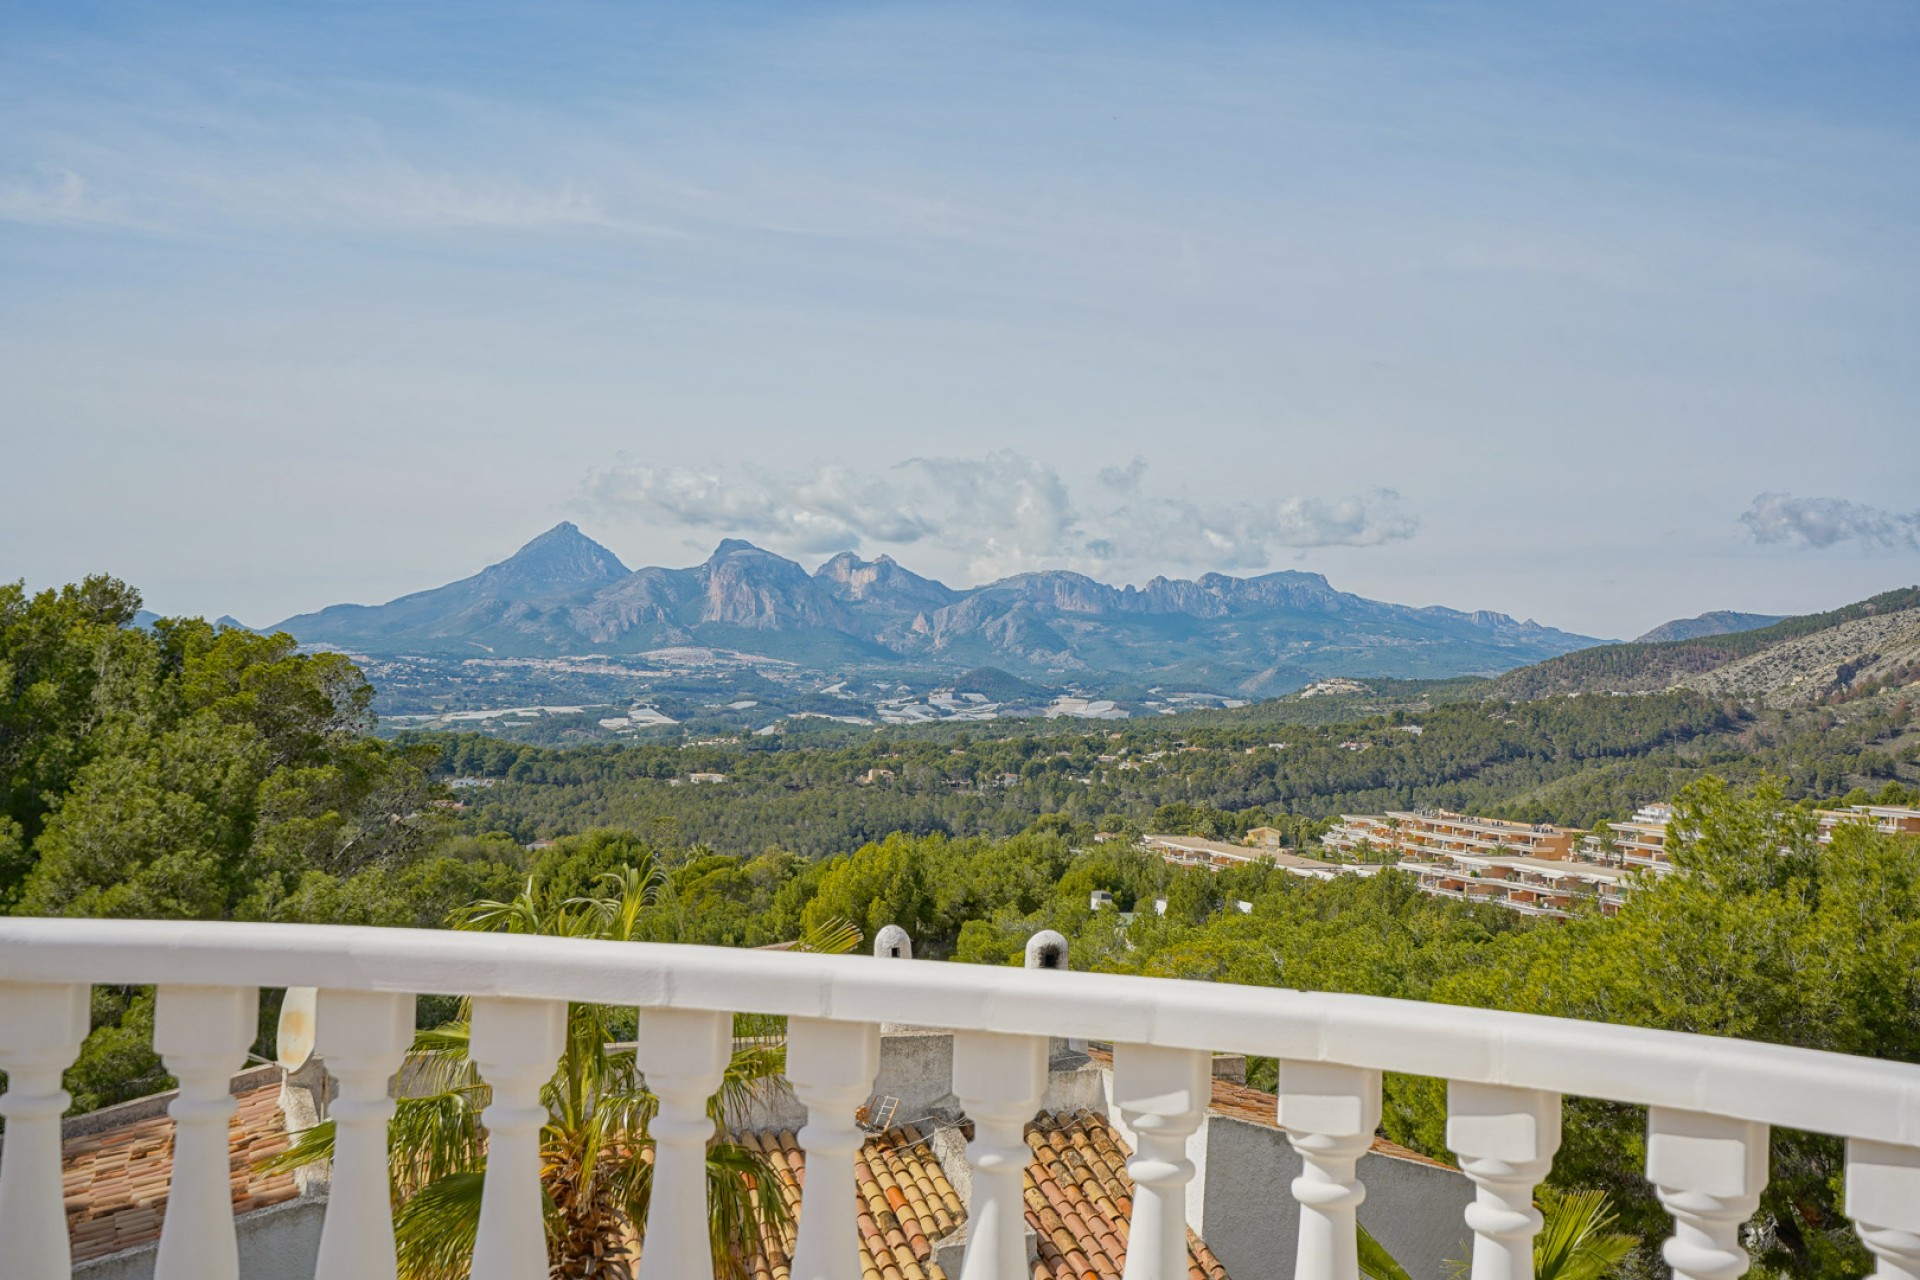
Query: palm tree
x,y
597,1161
1574,1244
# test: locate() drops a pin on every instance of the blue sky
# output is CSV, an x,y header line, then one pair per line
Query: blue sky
x,y
1594,314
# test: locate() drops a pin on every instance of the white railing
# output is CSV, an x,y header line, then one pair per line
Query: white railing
x,y
1711,1101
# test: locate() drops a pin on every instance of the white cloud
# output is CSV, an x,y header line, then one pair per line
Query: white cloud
x,y
998,514
1828,522
61,198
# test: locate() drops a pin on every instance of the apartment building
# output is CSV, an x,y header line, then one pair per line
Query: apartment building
x,y
1417,832
1533,868
1531,886
1639,841
1889,819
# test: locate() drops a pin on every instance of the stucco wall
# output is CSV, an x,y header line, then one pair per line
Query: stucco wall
x,y
1245,1211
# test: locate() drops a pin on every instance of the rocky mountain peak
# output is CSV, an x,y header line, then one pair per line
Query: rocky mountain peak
x,y
881,581
560,561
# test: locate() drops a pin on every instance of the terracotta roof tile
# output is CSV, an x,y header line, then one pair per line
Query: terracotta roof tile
x,y
1079,1199
904,1204
1077,1193
115,1181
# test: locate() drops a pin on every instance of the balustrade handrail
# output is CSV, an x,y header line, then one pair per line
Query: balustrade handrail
x,y
1771,1084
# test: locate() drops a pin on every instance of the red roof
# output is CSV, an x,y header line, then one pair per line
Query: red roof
x,y
115,1181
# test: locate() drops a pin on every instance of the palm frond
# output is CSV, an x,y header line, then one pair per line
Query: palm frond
x,y
737,1212
596,1155
434,1230
831,937
631,891
521,915
309,1146
1375,1262
1575,1243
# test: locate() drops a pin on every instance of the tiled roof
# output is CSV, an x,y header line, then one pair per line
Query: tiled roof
x,y
115,1181
1078,1198
905,1203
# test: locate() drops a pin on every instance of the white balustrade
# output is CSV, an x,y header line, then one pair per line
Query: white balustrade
x,y
514,1043
1708,1171
831,1066
1505,1139
1330,1113
41,1027
683,1054
1883,1199
1712,1101
363,1038
1162,1095
999,1080
202,1034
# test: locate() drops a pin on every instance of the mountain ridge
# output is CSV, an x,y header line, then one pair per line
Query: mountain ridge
x,y
1718,622
1641,666
563,593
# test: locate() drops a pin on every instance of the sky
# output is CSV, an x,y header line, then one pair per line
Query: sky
x,y
1594,314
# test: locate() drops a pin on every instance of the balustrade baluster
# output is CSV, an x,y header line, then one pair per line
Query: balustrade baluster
x,y
1162,1095
363,1038
1883,1199
831,1066
202,1034
1505,1139
683,1053
516,1045
1330,1113
1709,1172
41,1027
999,1080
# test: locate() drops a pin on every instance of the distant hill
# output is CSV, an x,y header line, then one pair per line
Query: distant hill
x,y
563,594
1831,643
1718,623
145,619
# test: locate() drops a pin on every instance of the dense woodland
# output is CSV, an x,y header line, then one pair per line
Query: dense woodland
x,y
190,772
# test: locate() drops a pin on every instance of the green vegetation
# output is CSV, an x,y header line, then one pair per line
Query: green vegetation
x,y
191,772
1573,760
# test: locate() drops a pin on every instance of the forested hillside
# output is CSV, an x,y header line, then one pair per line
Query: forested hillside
x,y
1571,760
1651,666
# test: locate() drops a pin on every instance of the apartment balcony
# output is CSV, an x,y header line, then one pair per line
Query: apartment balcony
x,y
1712,1102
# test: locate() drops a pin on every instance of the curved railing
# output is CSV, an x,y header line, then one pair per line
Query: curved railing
x,y
1711,1101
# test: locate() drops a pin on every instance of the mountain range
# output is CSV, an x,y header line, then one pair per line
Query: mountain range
x,y
563,593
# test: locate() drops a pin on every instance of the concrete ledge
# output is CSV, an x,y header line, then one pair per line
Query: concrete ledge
x,y
280,1242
